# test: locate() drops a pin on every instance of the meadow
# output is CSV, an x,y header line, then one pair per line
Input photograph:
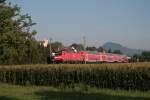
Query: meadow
x,y
17,92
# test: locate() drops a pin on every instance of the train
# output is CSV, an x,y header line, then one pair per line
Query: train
x,y
82,57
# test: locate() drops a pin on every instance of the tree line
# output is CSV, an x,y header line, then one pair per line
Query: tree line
x,y
144,56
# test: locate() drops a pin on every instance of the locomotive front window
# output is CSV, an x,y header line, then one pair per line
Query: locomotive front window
x,y
58,53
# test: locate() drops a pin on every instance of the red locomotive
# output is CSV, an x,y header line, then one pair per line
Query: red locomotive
x,y
73,56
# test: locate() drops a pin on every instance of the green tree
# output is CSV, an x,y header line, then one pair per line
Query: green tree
x,y
78,47
16,39
135,58
91,48
117,52
57,46
109,50
100,49
146,55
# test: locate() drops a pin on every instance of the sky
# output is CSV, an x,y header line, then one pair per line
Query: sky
x,y
126,22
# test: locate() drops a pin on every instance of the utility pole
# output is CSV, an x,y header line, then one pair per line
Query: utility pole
x,y
84,42
84,46
50,48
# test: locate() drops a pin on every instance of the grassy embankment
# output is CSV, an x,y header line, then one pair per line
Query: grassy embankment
x,y
15,92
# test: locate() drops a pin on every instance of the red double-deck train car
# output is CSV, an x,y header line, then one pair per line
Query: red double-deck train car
x,y
88,57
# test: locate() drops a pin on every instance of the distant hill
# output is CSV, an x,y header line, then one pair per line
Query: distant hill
x,y
124,50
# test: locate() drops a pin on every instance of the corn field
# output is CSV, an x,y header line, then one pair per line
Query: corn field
x,y
133,76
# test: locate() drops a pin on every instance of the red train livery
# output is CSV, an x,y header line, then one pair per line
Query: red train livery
x,y
88,57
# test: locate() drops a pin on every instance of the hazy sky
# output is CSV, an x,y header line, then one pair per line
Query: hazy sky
x,y
122,21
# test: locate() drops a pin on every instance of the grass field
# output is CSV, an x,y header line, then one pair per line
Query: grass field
x,y
131,74
14,92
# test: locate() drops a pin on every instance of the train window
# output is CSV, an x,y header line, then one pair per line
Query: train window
x,y
109,54
103,57
110,59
